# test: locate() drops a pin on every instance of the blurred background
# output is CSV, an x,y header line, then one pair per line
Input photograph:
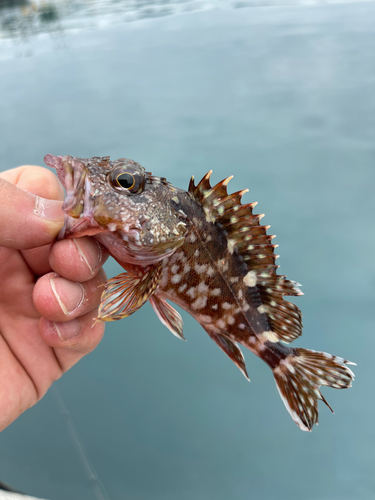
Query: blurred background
x,y
279,94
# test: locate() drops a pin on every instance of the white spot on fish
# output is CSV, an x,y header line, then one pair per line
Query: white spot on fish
x,y
164,280
174,268
241,326
200,268
222,265
192,292
220,323
226,305
209,217
262,309
204,318
210,271
245,307
182,287
250,279
200,302
279,372
215,306
202,287
230,320
175,199
176,278
191,238
196,253
240,294
233,280
215,292
268,336
187,268
291,368
231,246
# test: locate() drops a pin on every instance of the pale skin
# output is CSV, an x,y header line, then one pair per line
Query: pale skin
x,y
49,290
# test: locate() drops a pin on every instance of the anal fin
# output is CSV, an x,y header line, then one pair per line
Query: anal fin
x,y
168,316
126,293
230,348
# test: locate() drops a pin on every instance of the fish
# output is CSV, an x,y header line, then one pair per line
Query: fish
x,y
207,252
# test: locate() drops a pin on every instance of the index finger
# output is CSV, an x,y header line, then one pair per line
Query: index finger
x,y
26,220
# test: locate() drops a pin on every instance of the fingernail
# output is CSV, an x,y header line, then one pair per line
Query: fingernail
x,y
68,294
90,253
67,330
48,209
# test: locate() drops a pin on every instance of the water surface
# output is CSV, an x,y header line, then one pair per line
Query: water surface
x,y
283,98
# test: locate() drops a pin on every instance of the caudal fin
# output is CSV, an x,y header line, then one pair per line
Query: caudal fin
x,y
299,376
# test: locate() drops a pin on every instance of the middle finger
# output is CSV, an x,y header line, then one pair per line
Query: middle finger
x,y
58,299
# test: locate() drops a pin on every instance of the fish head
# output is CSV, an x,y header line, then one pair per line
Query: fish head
x,y
124,207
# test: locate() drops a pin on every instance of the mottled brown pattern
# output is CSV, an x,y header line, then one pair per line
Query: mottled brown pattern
x,y
208,253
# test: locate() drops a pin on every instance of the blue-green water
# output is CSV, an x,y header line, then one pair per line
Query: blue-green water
x,y
283,98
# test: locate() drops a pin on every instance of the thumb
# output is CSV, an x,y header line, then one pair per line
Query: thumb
x,y
27,220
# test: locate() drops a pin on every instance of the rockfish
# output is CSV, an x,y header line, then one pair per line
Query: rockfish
x,y
205,251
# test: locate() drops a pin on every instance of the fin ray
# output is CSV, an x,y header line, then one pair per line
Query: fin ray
x,y
126,293
230,348
298,378
168,315
253,244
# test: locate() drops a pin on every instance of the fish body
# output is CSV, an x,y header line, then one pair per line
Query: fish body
x,y
205,251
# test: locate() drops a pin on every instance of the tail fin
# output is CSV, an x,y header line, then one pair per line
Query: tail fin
x,y
299,376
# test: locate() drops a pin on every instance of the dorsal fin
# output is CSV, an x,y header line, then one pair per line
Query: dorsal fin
x,y
246,236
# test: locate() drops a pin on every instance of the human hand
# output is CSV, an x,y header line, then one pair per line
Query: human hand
x,y
46,324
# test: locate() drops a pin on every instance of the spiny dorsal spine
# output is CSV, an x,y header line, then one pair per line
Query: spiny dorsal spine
x,y
251,241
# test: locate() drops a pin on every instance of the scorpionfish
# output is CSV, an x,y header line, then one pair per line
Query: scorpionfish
x,y
208,253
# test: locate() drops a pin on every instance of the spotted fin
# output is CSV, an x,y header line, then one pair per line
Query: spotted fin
x,y
168,316
250,240
230,348
299,376
126,293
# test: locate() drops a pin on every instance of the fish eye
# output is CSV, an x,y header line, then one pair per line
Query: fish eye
x,y
125,180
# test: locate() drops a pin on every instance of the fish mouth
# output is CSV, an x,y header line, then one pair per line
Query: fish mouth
x,y
78,205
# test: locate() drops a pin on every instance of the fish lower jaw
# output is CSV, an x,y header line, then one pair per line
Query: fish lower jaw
x,y
77,227
129,252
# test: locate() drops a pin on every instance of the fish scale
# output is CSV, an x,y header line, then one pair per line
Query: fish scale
x,y
205,251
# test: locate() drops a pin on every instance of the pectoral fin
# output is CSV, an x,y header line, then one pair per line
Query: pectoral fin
x,y
168,316
230,348
126,293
